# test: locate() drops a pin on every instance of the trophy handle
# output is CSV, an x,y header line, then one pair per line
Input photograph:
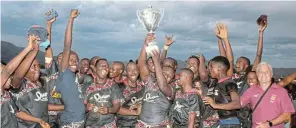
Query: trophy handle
x,y
138,15
162,13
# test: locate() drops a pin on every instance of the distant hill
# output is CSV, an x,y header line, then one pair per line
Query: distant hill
x,y
9,50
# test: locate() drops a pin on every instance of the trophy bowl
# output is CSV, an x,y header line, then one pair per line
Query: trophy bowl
x,y
150,19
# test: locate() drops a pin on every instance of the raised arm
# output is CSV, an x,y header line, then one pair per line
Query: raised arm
x,y
161,81
48,52
14,63
258,57
202,68
287,80
25,65
220,43
223,34
168,42
68,39
143,68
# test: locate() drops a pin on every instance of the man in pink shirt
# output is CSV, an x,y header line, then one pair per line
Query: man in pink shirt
x,y
275,107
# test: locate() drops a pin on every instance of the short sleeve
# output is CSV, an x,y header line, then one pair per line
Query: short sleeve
x,y
60,80
87,81
116,94
13,107
194,104
246,98
231,87
286,103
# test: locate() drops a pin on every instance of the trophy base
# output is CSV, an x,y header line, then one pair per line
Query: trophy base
x,y
152,46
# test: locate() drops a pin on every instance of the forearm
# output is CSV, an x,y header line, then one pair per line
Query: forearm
x,y
55,107
229,106
191,120
27,117
281,119
221,48
287,80
23,68
259,51
67,44
161,81
127,112
202,69
114,109
12,65
144,72
163,54
48,52
229,56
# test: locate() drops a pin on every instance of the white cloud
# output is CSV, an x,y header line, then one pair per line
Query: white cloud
x,y
104,26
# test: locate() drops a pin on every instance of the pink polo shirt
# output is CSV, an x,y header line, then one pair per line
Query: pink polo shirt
x,y
275,102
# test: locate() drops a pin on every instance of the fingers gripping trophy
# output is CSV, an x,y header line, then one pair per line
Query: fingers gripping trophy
x,y
150,19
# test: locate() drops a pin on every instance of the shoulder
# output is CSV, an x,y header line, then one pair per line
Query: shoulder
x,y
278,88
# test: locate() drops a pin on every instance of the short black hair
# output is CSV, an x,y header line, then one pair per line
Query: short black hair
x,y
130,62
188,72
84,59
195,57
119,62
247,59
175,61
222,60
101,59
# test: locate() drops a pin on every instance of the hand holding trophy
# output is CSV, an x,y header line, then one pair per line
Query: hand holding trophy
x,y
150,19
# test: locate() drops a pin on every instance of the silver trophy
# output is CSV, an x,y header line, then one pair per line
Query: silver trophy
x,y
150,19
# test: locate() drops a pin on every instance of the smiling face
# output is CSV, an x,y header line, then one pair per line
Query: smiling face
x,y
73,62
102,68
132,72
84,66
115,70
264,74
192,64
34,71
252,79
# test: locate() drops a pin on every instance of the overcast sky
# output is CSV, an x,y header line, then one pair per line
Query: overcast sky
x,y
111,29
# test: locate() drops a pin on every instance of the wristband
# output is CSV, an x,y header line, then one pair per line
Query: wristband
x,y
48,60
270,123
165,47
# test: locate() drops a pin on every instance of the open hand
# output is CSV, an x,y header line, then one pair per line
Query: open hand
x,y
221,31
209,101
169,40
155,56
103,110
34,42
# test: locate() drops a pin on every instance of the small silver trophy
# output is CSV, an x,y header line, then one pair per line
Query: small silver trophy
x,y
150,19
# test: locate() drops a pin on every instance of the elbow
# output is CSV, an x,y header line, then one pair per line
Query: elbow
x,y
237,105
287,117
